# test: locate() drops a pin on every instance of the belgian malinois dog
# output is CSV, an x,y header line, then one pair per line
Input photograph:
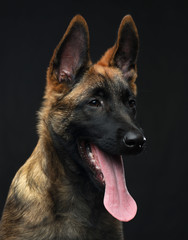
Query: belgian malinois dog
x,y
73,185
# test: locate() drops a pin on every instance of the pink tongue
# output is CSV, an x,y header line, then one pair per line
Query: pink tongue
x,y
117,199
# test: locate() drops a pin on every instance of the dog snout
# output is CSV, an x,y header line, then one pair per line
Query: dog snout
x,y
134,140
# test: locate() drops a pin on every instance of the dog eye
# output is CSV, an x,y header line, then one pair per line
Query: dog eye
x,y
95,103
132,103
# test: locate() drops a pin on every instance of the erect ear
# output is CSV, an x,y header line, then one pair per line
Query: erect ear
x,y
126,48
72,53
124,53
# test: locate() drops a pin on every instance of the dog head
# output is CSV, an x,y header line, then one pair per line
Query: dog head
x,y
91,108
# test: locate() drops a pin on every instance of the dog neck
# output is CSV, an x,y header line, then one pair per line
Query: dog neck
x,y
72,199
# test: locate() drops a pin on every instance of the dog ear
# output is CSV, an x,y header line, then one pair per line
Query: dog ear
x,y
72,53
126,48
123,54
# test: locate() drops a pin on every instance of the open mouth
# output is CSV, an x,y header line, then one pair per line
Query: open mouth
x,y
109,170
93,162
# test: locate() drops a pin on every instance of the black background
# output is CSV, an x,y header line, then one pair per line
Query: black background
x,y
158,178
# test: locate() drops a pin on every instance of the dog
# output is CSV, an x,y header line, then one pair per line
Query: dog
x,y
73,185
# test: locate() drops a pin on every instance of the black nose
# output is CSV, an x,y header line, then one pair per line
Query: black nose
x,y
134,139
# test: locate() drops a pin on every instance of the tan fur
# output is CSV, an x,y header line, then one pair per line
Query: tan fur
x,y
43,202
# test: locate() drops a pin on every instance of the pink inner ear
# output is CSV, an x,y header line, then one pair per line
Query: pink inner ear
x,y
72,54
64,76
